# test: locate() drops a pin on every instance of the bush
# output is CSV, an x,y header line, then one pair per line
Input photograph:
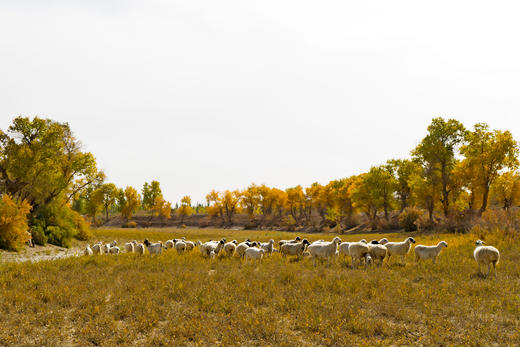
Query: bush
x,y
408,219
13,223
130,225
289,223
183,226
59,236
38,233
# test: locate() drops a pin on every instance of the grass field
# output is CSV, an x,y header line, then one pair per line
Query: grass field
x,y
188,300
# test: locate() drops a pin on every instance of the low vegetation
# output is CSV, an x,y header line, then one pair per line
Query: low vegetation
x,y
189,300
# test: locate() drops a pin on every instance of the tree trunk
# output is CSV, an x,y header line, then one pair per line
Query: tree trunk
x,y
484,199
445,193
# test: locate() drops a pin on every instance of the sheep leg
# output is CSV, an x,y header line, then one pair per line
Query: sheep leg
x,y
489,269
495,268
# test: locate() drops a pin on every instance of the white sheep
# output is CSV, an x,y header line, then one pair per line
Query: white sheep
x,y
254,253
189,245
154,248
423,252
230,248
106,248
114,250
324,250
113,243
212,246
241,248
358,252
169,244
88,250
296,249
399,248
97,248
180,246
267,246
130,247
140,248
377,252
212,255
383,241
283,242
486,255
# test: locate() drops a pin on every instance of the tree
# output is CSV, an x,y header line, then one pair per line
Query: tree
x,y
250,200
133,201
376,191
150,192
13,223
296,202
403,170
161,208
425,189
506,189
94,203
489,152
185,208
437,151
230,204
109,195
343,192
41,161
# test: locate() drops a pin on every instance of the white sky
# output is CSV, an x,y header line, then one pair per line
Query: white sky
x,y
219,94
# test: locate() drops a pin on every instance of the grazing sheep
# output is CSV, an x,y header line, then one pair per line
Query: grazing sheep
x,y
114,250
212,246
368,259
377,252
140,248
283,242
180,246
106,248
267,246
212,255
129,247
254,253
230,248
324,250
113,243
383,241
189,245
97,248
153,248
429,252
486,255
241,248
296,249
169,244
399,248
358,252
88,250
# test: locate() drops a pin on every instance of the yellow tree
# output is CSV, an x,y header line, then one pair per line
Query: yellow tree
x,y
506,190
94,203
489,152
375,192
295,202
214,203
132,202
230,204
342,191
185,208
161,208
250,200
13,223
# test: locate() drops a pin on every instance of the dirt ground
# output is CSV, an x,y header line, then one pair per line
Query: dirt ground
x,y
39,253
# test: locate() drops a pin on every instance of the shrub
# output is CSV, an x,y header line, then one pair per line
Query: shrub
x,y
408,219
289,223
130,225
13,223
183,226
38,233
59,236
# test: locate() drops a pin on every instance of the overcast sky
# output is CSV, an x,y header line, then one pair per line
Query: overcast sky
x,y
205,95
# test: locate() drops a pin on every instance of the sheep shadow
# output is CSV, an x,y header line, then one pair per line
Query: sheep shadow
x,y
480,276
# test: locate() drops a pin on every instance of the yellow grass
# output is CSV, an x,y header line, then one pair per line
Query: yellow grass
x,y
189,300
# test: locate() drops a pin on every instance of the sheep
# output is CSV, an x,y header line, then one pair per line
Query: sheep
x,y
113,243
189,245
180,246
383,241
140,248
211,255
114,250
130,247
399,248
254,253
153,248
377,252
88,250
241,248
358,252
169,244
212,246
267,246
283,242
324,250
429,252
230,248
486,255
97,248
296,249
368,259
106,248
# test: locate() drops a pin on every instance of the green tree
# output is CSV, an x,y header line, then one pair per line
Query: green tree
x,y
150,192
489,152
403,170
437,150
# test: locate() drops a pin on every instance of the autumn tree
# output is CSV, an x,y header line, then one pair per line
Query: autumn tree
x,y
250,200
185,208
214,202
425,188
296,202
403,170
506,190
150,192
489,152
94,204
230,204
375,192
13,223
343,190
437,151
132,202
161,208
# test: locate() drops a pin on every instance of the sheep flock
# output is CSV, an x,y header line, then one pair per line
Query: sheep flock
x,y
362,253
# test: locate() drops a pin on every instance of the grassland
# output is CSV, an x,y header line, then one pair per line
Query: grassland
x,y
188,300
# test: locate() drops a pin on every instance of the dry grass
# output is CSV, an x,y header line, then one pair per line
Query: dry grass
x,y
188,300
